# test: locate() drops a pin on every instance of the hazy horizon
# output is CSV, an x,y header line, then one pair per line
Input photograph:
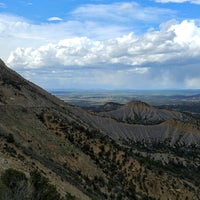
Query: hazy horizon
x,y
131,90
87,98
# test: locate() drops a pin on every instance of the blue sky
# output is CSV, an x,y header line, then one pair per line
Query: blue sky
x,y
97,44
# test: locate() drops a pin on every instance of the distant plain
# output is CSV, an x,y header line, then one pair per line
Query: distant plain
x,y
180,100
153,97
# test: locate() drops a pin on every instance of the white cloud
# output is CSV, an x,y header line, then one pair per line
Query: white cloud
x,y
99,45
159,59
55,19
22,33
179,1
187,33
175,43
101,22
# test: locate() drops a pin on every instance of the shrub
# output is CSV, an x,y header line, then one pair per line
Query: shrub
x,y
15,183
43,190
11,178
10,138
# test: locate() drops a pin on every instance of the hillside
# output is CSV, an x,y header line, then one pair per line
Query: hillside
x,y
137,112
93,156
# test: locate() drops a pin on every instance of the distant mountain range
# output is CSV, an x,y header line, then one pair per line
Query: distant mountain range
x,y
131,151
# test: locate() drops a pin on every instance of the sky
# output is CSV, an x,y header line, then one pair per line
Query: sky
x,y
98,44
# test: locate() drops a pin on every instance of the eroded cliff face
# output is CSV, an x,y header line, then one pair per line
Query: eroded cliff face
x,y
174,128
137,112
102,156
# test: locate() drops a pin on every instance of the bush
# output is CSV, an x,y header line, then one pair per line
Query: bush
x,y
43,190
10,138
15,185
11,178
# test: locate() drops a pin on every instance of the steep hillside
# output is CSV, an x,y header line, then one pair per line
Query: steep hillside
x,y
15,90
109,106
137,112
88,156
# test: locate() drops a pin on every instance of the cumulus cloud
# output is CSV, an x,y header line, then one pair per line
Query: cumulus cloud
x,y
99,46
165,58
101,22
23,33
174,42
179,1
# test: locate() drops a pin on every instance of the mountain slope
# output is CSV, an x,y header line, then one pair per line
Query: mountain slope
x,y
141,113
174,132
15,90
90,156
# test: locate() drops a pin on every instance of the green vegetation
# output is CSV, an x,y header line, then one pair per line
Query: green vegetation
x,y
14,185
42,189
